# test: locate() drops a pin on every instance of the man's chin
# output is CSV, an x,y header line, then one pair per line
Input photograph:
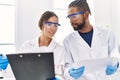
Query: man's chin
x,y
75,28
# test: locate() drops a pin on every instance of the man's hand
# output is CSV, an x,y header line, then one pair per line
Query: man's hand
x,y
111,69
76,73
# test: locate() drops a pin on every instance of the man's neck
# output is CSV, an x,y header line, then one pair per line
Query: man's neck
x,y
86,29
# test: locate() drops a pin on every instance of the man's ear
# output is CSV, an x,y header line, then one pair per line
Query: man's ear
x,y
86,15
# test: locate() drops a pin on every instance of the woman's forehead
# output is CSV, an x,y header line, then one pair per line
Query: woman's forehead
x,y
53,18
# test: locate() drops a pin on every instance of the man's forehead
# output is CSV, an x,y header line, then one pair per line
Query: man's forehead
x,y
72,9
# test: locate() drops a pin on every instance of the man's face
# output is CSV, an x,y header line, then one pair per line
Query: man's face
x,y
76,18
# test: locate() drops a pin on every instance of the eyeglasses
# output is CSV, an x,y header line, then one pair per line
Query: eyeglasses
x,y
52,24
75,16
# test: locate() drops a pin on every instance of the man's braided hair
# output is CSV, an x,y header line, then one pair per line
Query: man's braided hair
x,y
80,5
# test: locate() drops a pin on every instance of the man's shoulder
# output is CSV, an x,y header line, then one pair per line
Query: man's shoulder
x,y
103,30
70,38
71,35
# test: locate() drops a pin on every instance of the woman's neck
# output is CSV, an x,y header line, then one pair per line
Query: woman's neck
x,y
44,41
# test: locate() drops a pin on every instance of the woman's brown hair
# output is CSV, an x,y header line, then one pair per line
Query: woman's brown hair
x,y
44,18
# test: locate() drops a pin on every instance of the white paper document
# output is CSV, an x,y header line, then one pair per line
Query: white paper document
x,y
95,65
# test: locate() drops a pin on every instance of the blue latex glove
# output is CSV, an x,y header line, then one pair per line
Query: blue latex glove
x,y
56,78
111,69
3,62
76,73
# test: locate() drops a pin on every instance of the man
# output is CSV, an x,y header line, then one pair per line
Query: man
x,y
87,42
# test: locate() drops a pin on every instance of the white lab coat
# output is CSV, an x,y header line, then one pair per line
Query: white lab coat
x,y
103,45
33,46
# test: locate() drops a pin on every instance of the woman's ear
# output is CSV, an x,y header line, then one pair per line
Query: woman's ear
x,y
86,14
43,26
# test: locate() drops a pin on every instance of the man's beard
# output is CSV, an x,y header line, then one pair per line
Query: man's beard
x,y
79,26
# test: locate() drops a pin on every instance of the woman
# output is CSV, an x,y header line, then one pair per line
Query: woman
x,y
48,24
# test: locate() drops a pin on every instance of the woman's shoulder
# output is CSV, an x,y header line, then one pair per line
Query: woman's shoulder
x,y
29,44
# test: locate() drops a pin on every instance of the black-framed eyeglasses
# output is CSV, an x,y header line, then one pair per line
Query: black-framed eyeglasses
x,y
52,23
75,15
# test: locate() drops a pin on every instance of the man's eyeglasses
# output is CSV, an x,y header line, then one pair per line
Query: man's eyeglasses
x,y
52,24
75,15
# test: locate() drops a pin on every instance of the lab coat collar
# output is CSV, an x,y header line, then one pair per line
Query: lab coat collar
x,y
82,41
52,44
96,30
79,39
37,42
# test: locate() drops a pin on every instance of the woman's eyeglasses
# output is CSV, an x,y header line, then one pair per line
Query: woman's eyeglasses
x,y
52,24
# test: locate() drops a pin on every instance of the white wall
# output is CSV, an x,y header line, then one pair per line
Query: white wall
x,y
27,16
102,12
107,14
116,18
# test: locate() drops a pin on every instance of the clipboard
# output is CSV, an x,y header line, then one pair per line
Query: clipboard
x,y
32,66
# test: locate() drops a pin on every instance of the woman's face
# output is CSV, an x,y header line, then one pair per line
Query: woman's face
x,y
50,27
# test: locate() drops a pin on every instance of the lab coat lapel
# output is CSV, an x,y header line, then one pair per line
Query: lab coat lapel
x,y
80,40
52,45
95,37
